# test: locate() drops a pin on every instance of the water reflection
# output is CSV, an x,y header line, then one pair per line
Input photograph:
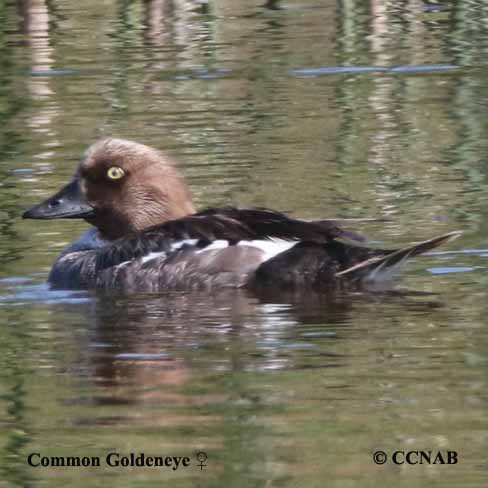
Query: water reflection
x,y
134,341
156,12
146,348
233,372
14,399
36,27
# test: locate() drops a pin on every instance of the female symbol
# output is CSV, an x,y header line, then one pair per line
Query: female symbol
x,y
202,457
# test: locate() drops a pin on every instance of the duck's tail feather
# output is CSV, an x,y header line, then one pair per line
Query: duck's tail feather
x,y
384,265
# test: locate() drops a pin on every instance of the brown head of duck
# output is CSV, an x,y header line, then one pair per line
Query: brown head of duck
x,y
120,187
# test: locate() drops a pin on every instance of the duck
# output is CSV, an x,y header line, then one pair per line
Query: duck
x,y
146,235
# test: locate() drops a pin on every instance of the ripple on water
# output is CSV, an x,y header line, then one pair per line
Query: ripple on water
x,y
332,70
16,292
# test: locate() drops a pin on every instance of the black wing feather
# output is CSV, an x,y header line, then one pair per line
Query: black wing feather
x,y
226,223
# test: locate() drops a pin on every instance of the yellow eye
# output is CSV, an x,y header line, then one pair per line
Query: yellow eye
x,y
115,173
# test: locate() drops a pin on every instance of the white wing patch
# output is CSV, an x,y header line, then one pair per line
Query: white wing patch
x,y
175,246
152,255
271,247
219,244
185,242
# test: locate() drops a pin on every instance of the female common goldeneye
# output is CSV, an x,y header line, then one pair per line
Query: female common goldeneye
x,y
148,237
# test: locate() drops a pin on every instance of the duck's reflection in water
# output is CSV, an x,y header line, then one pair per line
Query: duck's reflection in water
x,y
145,349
